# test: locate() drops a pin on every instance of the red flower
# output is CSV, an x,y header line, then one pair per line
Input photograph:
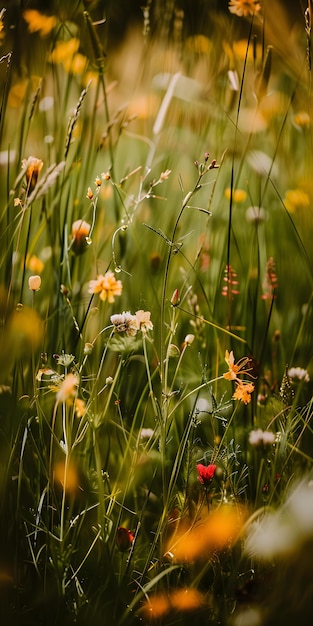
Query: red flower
x,y
206,473
124,538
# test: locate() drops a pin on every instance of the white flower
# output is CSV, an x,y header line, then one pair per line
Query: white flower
x,y
299,373
259,438
146,433
125,323
255,214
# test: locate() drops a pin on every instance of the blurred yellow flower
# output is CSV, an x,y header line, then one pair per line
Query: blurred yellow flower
x,y
218,529
76,64
64,51
68,388
38,22
302,119
34,264
198,44
243,8
239,195
296,199
67,475
79,407
107,286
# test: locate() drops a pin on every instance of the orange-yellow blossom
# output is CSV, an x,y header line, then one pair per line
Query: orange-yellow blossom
x,y
107,286
243,392
234,369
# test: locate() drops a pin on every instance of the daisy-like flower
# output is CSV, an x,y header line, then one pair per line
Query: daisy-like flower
x,y
143,320
243,8
206,473
125,323
300,373
68,388
261,438
107,286
234,369
32,167
243,391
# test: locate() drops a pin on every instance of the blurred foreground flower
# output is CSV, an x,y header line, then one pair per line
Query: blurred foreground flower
x,y
38,22
243,8
107,286
281,533
185,599
67,476
217,530
68,388
296,199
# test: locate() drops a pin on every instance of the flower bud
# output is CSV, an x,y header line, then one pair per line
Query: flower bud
x,y
124,538
34,283
188,340
175,298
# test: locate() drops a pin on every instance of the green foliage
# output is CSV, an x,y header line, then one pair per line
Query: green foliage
x,y
167,213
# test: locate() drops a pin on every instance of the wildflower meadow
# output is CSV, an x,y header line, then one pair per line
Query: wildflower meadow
x,y
156,354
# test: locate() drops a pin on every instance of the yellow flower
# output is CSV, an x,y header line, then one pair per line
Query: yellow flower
x,y
79,407
76,64
68,388
235,369
64,51
143,320
243,391
107,286
243,8
302,119
38,22
239,195
296,199
34,264
32,167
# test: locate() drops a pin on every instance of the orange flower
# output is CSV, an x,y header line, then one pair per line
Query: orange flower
x,y
107,286
236,368
32,167
80,232
68,388
243,8
243,392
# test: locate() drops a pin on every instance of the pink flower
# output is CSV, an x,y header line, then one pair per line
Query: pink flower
x,y
206,473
